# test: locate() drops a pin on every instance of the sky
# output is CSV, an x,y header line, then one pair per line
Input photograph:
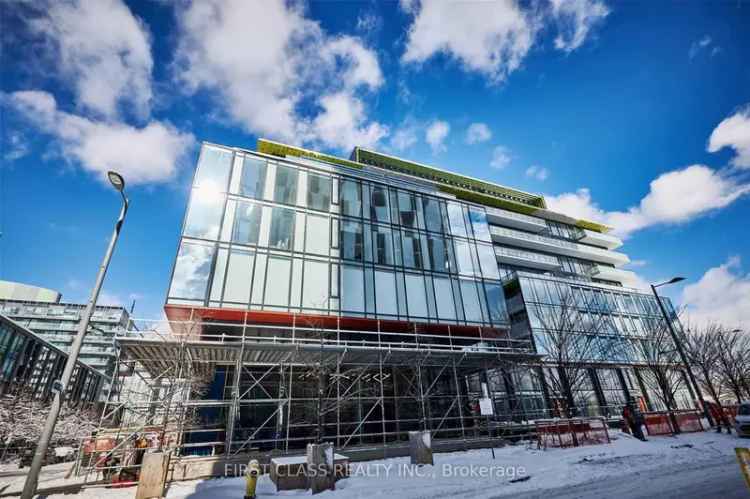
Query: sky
x,y
635,114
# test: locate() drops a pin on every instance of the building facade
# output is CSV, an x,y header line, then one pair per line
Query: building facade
x,y
43,312
31,364
440,283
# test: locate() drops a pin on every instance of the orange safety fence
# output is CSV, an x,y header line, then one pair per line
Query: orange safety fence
x,y
657,423
689,421
571,432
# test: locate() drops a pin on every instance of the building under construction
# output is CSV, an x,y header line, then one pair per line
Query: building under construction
x,y
315,298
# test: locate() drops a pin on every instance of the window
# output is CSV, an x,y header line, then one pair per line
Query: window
x,y
317,235
463,257
444,298
412,250
432,217
204,214
456,219
282,228
277,281
318,192
407,209
496,303
239,276
352,289
382,245
351,198
479,225
488,261
472,309
315,293
439,254
415,295
351,240
246,223
379,204
191,270
385,293
253,181
213,169
286,185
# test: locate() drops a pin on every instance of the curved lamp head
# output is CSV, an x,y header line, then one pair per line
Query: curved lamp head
x,y
671,281
116,180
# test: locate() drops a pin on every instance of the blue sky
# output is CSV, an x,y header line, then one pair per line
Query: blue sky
x,y
634,113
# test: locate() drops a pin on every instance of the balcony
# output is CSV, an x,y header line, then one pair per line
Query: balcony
x,y
551,245
523,258
598,239
515,220
624,277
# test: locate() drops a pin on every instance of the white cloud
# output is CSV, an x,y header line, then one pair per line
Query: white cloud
x,y
699,45
141,155
721,295
537,172
637,263
674,197
436,134
575,19
734,132
104,50
15,146
478,132
284,77
405,136
500,157
491,38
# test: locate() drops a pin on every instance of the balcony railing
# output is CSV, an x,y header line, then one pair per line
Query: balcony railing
x,y
624,277
517,220
558,246
598,239
526,258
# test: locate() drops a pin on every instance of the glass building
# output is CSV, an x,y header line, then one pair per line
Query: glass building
x,y
400,255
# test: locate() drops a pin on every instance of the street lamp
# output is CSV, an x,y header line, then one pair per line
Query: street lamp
x,y
680,348
60,386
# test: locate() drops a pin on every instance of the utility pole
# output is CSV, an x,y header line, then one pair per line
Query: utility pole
x,y
60,386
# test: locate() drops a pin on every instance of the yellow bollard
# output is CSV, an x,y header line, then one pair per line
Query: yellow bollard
x,y
251,477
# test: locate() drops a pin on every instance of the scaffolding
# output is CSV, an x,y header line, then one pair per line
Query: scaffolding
x,y
228,389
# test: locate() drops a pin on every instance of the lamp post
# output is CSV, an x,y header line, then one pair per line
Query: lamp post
x,y
680,348
60,386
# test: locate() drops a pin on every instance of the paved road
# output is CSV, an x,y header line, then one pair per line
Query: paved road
x,y
720,479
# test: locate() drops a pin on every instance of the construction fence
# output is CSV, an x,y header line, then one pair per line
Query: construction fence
x,y
572,432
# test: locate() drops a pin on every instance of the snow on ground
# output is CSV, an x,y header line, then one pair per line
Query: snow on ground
x,y
475,474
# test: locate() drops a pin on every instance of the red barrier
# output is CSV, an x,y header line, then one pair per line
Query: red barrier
x,y
657,423
571,432
730,411
689,421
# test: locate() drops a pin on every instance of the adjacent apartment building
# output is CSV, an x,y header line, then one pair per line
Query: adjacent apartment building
x,y
356,299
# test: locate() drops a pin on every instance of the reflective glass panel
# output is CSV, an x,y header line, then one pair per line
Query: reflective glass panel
x,y
382,245
463,257
239,276
439,257
191,270
496,303
379,204
351,240
470,297
444,298
318,192
282,228
479,225
315,292
247,218
407,209
351,198
253,181
487,261
204,214
385,289
412,250
432,217
456,219
317,235
277,281
352,289
213,169
285,190
415,295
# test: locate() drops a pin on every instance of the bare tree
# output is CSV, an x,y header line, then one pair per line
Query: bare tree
x,y
572,340
662,370
733,361
702,347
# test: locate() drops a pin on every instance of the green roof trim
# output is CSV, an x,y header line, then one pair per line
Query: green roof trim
x,y
282,150
445,177
479,198
596,227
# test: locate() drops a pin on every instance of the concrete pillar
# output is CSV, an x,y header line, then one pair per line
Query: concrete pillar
x,y
420,447
320,471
